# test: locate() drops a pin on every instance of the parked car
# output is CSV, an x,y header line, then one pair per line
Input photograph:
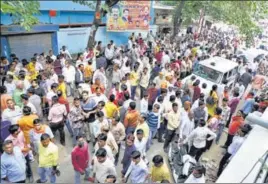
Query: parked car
x,y
215,70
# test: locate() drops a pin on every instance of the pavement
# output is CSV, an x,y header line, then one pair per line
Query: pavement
x,y
210,158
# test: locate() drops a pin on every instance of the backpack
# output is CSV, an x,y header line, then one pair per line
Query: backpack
x,y
210,100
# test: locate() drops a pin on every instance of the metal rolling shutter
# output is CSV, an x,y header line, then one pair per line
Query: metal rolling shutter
x,y
24,46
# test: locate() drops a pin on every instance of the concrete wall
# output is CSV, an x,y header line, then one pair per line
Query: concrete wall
x,y
76,38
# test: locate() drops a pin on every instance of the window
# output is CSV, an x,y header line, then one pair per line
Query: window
x,y
208,73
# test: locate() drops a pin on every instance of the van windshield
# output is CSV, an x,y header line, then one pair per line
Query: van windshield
x,y
208,73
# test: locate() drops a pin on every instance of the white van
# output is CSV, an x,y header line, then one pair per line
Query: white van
x,y
250,54
215,70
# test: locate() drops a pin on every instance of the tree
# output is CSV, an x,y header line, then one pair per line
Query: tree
x,y
242,14
22,12
100,10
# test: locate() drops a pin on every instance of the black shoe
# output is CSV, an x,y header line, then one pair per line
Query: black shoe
x,y
30,179
166,150
63,144
161,141
39,181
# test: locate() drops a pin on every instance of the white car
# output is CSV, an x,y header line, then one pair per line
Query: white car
x,y
215,70
250,54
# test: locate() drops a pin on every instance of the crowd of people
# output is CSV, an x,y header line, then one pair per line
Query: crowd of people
x,y
121,98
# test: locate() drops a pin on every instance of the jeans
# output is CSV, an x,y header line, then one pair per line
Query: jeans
x,y
223,161
133,92
77,131
44,172
77,175
29,172
130,130
152,134
68,125
219,133
169,136
88,131
70,88
60,127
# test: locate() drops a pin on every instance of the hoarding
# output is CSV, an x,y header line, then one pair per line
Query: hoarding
x,y
129,16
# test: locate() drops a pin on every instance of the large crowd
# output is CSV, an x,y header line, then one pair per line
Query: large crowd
x,y
121,98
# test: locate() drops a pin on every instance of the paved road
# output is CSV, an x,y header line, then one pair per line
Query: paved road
x,y
67,173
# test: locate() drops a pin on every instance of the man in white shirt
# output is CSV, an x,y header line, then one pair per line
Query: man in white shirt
x,y
10,85
99,96
51,55
102,143
144,104
187,125
51,93
65,52
109,54
199,137
140,142
237,142
102,167
69,76
197,176
165,59
100,73
144,81
137,170
12,113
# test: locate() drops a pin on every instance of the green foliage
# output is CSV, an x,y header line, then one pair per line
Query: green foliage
x,y
242,14
91,4
22,12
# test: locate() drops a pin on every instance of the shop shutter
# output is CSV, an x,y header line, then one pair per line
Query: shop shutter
x,y
24,46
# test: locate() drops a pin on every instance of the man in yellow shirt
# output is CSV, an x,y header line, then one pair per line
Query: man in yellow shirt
x,y
26,122
62,86
134,80
110,108
159,170
48,160
88,71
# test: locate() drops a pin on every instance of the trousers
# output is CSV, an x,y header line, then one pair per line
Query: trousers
x,y
196,152
223,161
44,172
58,127
169,136
229,140
78,175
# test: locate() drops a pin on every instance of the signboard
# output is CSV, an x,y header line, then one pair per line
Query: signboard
x,y
129,16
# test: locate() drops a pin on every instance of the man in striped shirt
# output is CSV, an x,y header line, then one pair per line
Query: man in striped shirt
x,y
153,120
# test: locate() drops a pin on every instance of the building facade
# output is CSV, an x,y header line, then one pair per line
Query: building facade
x,y
70,26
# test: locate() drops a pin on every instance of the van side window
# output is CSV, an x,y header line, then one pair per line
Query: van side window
x,y
225,77
234,71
